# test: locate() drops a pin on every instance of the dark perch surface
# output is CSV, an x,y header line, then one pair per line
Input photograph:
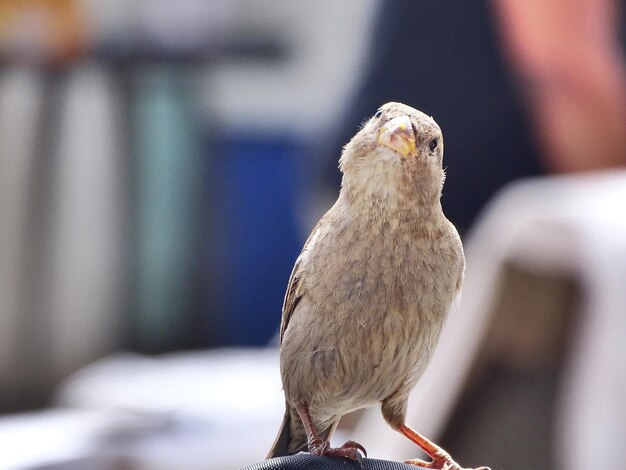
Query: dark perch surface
x,y
303,461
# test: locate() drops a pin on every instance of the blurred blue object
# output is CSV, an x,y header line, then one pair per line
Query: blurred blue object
x,y
255,238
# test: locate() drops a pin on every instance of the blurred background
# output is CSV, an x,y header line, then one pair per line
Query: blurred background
x,y
162,163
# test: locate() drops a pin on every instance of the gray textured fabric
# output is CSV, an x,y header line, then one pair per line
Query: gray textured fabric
x,y
304,461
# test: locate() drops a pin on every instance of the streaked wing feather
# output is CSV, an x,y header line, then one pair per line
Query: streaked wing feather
x,y
292,297
294,288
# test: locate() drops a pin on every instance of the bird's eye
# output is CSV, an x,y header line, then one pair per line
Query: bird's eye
x,y
378,114
433,144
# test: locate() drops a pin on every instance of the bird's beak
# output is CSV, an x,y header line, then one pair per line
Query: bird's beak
x,y
397,134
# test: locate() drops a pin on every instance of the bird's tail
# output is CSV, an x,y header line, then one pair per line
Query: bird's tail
x,y
292,437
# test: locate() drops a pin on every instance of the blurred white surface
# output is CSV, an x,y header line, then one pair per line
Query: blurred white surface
x,y
219,385
327,44
218,409
59,438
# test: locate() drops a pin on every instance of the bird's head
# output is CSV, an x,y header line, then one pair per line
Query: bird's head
x,y
399,150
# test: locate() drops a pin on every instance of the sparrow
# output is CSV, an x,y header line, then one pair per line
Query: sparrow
x,y
369,294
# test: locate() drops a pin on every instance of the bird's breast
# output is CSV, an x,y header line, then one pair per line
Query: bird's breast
x,y
366,273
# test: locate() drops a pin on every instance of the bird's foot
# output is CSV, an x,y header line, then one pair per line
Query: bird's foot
x,y
349,450
441,461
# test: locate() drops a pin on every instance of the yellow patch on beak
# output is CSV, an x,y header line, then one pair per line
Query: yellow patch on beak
x,y
397,134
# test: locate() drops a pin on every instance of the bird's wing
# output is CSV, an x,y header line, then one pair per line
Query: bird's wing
x,y
294,287
292,297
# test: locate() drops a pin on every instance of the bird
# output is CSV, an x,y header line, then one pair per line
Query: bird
x,y
370,291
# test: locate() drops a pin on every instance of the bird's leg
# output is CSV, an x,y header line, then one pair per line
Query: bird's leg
x,y
317,446
441,459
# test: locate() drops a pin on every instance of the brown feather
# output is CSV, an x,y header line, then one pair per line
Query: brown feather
x,y
293,295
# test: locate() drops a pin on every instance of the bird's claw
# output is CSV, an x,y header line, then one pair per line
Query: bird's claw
x,y
445,463
354,445
349,450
